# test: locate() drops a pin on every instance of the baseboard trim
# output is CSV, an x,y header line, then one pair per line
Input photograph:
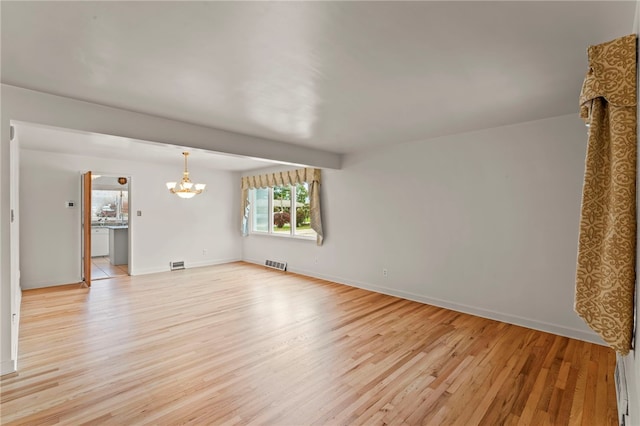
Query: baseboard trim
x,y
188,265
7,367
458,307
211,262
46,284
54,287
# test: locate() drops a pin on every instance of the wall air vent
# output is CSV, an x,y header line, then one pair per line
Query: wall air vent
x,y
280,266
177,265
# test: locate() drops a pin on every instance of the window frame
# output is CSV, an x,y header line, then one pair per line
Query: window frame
x,y
270,225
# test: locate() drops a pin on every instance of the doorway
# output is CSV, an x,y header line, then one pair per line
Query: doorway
x,y
109,226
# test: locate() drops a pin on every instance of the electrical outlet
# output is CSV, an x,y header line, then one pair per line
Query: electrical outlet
x,y
204,252
385,272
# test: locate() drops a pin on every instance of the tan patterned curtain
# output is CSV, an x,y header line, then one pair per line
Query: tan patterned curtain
x,y
290,177
605,277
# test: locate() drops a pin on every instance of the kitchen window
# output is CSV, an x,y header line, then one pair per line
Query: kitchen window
x,y
109,206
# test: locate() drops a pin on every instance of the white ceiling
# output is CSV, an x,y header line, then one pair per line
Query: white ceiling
x,y
337,76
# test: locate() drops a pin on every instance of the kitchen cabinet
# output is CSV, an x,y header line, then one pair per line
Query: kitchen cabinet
x,y
118,245
99,242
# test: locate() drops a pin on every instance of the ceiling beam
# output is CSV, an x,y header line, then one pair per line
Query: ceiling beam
x,y
31,106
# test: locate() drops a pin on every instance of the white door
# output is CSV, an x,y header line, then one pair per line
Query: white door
x,y
14,235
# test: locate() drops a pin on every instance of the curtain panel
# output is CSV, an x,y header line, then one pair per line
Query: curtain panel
x,y
605,276
310,176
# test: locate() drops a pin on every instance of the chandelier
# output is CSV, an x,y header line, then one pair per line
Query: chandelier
x,y
186,188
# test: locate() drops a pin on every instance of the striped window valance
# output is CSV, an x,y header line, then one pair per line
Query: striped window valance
x,y
289,177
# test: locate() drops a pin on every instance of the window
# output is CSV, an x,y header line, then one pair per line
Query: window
x,y
109,206
282,210
284,203
260,220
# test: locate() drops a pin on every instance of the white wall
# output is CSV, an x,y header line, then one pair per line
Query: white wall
x,y
170,228
483,222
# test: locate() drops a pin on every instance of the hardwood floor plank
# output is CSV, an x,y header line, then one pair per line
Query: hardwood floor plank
x,y
239,344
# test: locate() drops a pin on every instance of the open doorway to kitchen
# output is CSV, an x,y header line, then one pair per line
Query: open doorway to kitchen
x,y
109,225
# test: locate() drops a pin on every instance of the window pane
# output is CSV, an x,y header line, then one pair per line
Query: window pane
x,y
261,210
109,206
282,209
303,212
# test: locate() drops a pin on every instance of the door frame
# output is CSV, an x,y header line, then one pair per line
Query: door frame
x,y
86,207
85,224
14,241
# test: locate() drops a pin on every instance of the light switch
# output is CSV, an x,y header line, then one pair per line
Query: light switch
x,y
139,213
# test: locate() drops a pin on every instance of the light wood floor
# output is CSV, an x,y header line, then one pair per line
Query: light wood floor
x,y
101,268
241,344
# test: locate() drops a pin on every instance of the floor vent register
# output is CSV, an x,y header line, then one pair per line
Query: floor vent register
x,y
177,265
280,266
